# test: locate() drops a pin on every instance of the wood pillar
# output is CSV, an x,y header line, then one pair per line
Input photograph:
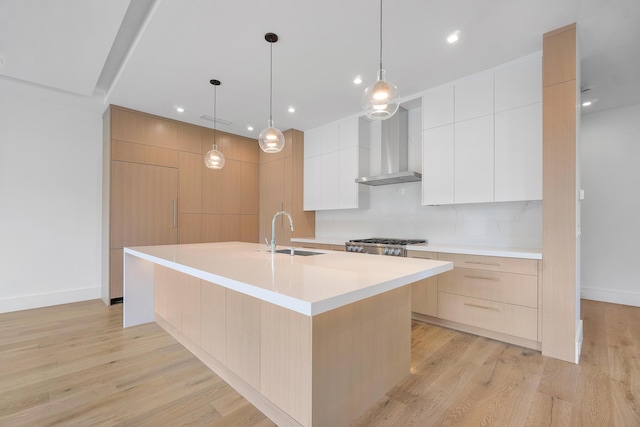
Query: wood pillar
x,y
561,329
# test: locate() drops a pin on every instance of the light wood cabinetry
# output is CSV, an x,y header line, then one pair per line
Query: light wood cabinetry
x,y
320,246
160,191
561,209
424,293
300,370
281,188
482,137
493,293
334,156
496,297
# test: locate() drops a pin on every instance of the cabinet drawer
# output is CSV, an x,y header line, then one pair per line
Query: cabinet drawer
x,y
481,262
499,317
509,288
422,254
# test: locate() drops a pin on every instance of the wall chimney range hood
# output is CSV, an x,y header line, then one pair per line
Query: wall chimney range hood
x,y
395,153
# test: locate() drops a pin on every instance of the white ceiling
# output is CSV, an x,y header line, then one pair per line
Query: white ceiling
x,y
166,51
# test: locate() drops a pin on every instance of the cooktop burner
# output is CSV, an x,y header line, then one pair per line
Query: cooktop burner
x,y
381,246
385,241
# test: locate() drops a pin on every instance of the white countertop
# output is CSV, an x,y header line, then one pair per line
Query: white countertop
x,y
307,284
509,252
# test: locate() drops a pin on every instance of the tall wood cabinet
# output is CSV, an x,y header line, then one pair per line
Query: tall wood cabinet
x,y
281,188
158,191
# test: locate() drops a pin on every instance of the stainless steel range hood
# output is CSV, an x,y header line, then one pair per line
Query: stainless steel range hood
x,y
395,153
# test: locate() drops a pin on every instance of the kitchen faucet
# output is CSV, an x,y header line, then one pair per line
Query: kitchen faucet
x,y
272,246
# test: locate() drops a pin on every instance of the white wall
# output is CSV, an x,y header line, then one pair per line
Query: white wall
x,y
610,158
50,197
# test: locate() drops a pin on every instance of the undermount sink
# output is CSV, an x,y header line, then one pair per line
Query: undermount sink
x,y
298,252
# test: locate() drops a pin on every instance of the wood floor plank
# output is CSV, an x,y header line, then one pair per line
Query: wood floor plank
x,y
74,365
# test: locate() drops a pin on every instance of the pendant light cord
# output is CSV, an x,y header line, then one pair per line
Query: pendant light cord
x,y
380,35
214,114
270,82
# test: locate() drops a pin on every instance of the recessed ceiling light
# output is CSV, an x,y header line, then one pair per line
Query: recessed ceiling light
x,y
357,80
586,103
454,37
291,109
180,109
249,128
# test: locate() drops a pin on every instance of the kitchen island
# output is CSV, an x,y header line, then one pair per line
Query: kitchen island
x,y
309,340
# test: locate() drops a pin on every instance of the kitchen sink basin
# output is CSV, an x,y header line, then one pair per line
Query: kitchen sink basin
x,y
298,252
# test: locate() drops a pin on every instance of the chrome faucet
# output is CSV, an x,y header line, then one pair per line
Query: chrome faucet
x,y
272,246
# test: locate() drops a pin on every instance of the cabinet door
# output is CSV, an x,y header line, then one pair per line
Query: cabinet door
x,y
329,181
519,85
474,96
349,131
438,154
142,207
312,178
518,156
474,160
437,107
312,142
348,172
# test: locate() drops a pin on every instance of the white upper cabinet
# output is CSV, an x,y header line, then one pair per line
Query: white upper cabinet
x,y
482,139
474,96
438,166
437,107
519,85
518,146
474,161
333,164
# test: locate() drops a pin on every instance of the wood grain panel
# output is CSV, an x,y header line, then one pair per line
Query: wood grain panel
x,y
559,59
248,188
142,205
243,336
505,318
350,344
189,286
161,290
212,228
140,153
285,360
237,147
189,182
212,189
213,315
249,229
134,126
116,272
190,138
272,198
190,228
424,296
510,288
305,221
491,263
232,190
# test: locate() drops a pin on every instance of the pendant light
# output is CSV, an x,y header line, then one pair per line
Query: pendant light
x,y
214,159
271,140
382,99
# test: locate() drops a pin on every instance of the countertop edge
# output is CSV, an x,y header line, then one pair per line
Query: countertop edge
x,y
300,306
526,253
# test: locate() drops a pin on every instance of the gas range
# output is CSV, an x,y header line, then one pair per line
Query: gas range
x,y
382,246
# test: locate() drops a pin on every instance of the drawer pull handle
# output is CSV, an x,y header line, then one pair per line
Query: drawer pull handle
x,y
497,264
495,279
481,306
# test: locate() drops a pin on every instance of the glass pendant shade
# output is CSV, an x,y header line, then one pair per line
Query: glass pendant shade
x,y
214,159
271,140
380,100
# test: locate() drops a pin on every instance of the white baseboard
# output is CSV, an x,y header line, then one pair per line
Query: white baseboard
x,y
611,295
27,302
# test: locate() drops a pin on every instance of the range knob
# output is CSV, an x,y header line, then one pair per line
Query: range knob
x,y
396,251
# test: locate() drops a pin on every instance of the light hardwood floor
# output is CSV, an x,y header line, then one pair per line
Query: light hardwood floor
x,y
75,365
